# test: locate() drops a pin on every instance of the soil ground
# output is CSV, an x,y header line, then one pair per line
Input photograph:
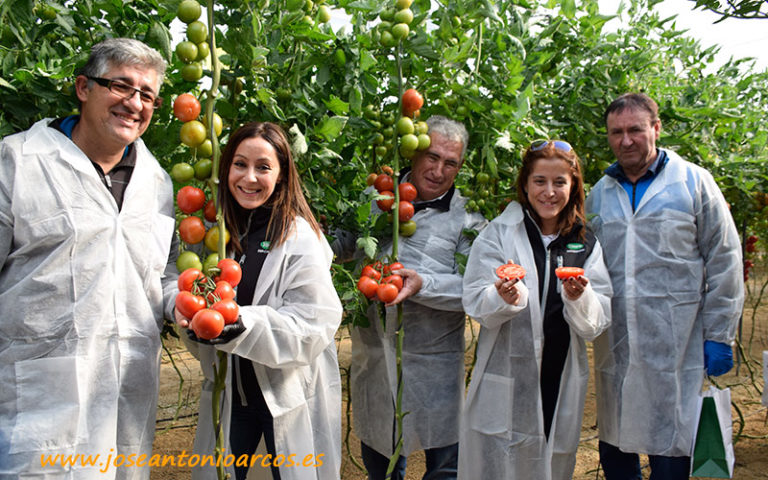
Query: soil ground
x,y
746,381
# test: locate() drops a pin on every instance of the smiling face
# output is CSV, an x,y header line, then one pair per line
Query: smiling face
x,y
111,119
254,173
435,168
548,189
632,135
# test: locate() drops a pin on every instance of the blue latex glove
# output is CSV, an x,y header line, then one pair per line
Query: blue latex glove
x,y
718,357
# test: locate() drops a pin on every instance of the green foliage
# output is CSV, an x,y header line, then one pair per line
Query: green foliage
x,y
512,71
735,8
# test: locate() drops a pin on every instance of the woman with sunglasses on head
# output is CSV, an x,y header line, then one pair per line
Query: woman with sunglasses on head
x,y
283,380
522,416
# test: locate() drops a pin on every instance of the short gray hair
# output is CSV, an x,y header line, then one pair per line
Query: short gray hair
x,y
123,51
450,129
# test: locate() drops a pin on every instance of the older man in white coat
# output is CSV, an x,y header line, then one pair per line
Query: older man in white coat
x,y
86,227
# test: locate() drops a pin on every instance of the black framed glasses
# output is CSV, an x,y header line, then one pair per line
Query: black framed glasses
x,y
561,145
127,92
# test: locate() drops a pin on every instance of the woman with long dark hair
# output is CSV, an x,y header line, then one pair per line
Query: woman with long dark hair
x,y
283,383
522,416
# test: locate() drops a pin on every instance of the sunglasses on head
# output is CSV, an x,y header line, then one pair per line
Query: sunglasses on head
x,y
561,145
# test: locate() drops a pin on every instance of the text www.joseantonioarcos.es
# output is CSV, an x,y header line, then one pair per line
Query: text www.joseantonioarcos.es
x,y
180,460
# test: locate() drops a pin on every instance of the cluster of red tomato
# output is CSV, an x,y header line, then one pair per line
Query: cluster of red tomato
x,y
378,281
385,185
750,247
209,303
413,136
191,200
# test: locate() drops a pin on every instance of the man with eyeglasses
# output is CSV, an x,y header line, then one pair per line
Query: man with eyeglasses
x,y
673,255
87,275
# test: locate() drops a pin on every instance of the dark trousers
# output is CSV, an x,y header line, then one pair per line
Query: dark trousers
x,y
619,465
248,425
441,463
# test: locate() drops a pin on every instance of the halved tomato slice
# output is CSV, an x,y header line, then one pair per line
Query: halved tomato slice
x,y
510,271
564,273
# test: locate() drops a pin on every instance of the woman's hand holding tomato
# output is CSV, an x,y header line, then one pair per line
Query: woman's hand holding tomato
x,y
574,286
508,290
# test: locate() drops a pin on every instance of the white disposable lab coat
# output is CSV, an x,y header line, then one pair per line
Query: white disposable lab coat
x,y
676,269
433,345
502,433
289,337
82,298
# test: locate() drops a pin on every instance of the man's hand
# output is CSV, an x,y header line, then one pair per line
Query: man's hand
x,y
718,358
411,285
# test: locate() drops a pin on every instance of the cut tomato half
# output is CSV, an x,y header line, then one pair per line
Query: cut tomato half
x,y
564,273
510,271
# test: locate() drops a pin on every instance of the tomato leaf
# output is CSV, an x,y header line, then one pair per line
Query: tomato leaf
x,y
368,245
331,127
337,105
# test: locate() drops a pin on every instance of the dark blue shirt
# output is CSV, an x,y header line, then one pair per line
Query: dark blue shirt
x,y
636,190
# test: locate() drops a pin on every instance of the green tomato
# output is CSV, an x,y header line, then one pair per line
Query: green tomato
x,y
192,133
192,72
203,50
203,169
218,125
205,149
378,138
189,11
309,5
461,111
387,40
389,131
420,127
182,172
283,94
405,126
424,141
210,262
186,51
197,32
407,228
381,150
406,152
401,4
404,16
308,20
409,142
400,31
482,178
387,15
187,260
324,14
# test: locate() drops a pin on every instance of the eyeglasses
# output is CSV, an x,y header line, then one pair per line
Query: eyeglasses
x,y
127,92
561,145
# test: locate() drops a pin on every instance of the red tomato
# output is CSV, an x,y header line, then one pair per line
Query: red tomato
x,y
371,271
412,101
751,248
192,230
188,304
394,266
407,191
387,292
230,271
386,204
395,280
210,210
388,170
405,211
223,291
186,107
368,287
510,271
564,273
384,183
229,309
190,199
207,324
370,179
188,277
752,239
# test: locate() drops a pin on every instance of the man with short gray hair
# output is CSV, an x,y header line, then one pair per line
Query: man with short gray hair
x,y
86,277
433,322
